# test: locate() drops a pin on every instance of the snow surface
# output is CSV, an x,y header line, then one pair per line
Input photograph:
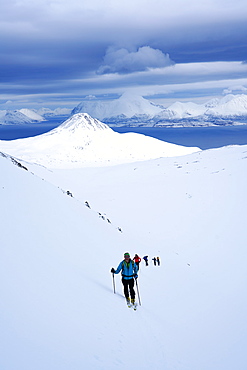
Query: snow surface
x,y
84,141
58,310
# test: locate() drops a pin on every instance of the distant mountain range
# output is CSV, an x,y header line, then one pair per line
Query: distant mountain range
x,y
136,111
132,110
27,116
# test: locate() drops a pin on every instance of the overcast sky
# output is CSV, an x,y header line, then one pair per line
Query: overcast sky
x,y
58,53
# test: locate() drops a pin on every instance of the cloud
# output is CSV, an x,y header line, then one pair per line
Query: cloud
x,y
124,61
90,97
51,50
235,89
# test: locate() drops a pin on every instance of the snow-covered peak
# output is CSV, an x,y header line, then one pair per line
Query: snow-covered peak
x,y
127,105
82,121
83,141
230,105
212,103
180,110
32,115
14,117
19,117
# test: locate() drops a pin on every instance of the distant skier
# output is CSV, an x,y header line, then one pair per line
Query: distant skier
x,y
154,259
146,260
158,261
129,272
137,260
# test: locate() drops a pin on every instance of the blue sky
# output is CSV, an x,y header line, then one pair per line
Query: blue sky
x,y
58,53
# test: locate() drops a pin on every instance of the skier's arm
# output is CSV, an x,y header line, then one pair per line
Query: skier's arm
x,y
135,271
119,268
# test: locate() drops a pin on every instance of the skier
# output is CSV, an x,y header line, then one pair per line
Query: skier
x,y
129,272
158,261
146,260
137,260
154,259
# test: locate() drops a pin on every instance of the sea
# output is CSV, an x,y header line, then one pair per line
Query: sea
x,y
202,137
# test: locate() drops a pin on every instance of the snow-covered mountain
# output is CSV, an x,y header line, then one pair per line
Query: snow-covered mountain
x,y
26,116
49,113
180,110
32,115
85,141
19,117
227,110
127,106
136,111
228,106
58,310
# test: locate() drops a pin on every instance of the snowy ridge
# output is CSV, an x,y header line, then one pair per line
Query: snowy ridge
x,y
85,141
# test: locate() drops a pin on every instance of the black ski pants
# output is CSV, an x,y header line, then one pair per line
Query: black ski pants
x,y
129,286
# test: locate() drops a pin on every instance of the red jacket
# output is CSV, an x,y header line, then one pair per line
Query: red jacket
x,y
137,259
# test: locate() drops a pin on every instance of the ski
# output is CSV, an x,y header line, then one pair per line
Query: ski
x,y
130,305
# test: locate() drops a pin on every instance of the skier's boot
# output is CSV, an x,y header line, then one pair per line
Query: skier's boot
x,y
128,302
133,303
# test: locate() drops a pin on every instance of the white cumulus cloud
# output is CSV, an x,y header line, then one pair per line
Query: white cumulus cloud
x,y
125,61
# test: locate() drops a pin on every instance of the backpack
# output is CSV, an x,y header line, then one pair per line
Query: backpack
x,y
123,262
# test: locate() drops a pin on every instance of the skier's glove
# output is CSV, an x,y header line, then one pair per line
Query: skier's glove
x,y
113,270
136,276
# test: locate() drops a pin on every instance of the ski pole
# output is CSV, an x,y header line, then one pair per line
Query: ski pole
x,y
114,291
138,292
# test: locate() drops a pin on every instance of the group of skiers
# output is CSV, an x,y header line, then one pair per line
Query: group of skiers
x,y
129,269
155,259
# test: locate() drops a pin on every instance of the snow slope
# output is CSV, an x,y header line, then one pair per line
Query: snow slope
x,y
57,306
84,141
